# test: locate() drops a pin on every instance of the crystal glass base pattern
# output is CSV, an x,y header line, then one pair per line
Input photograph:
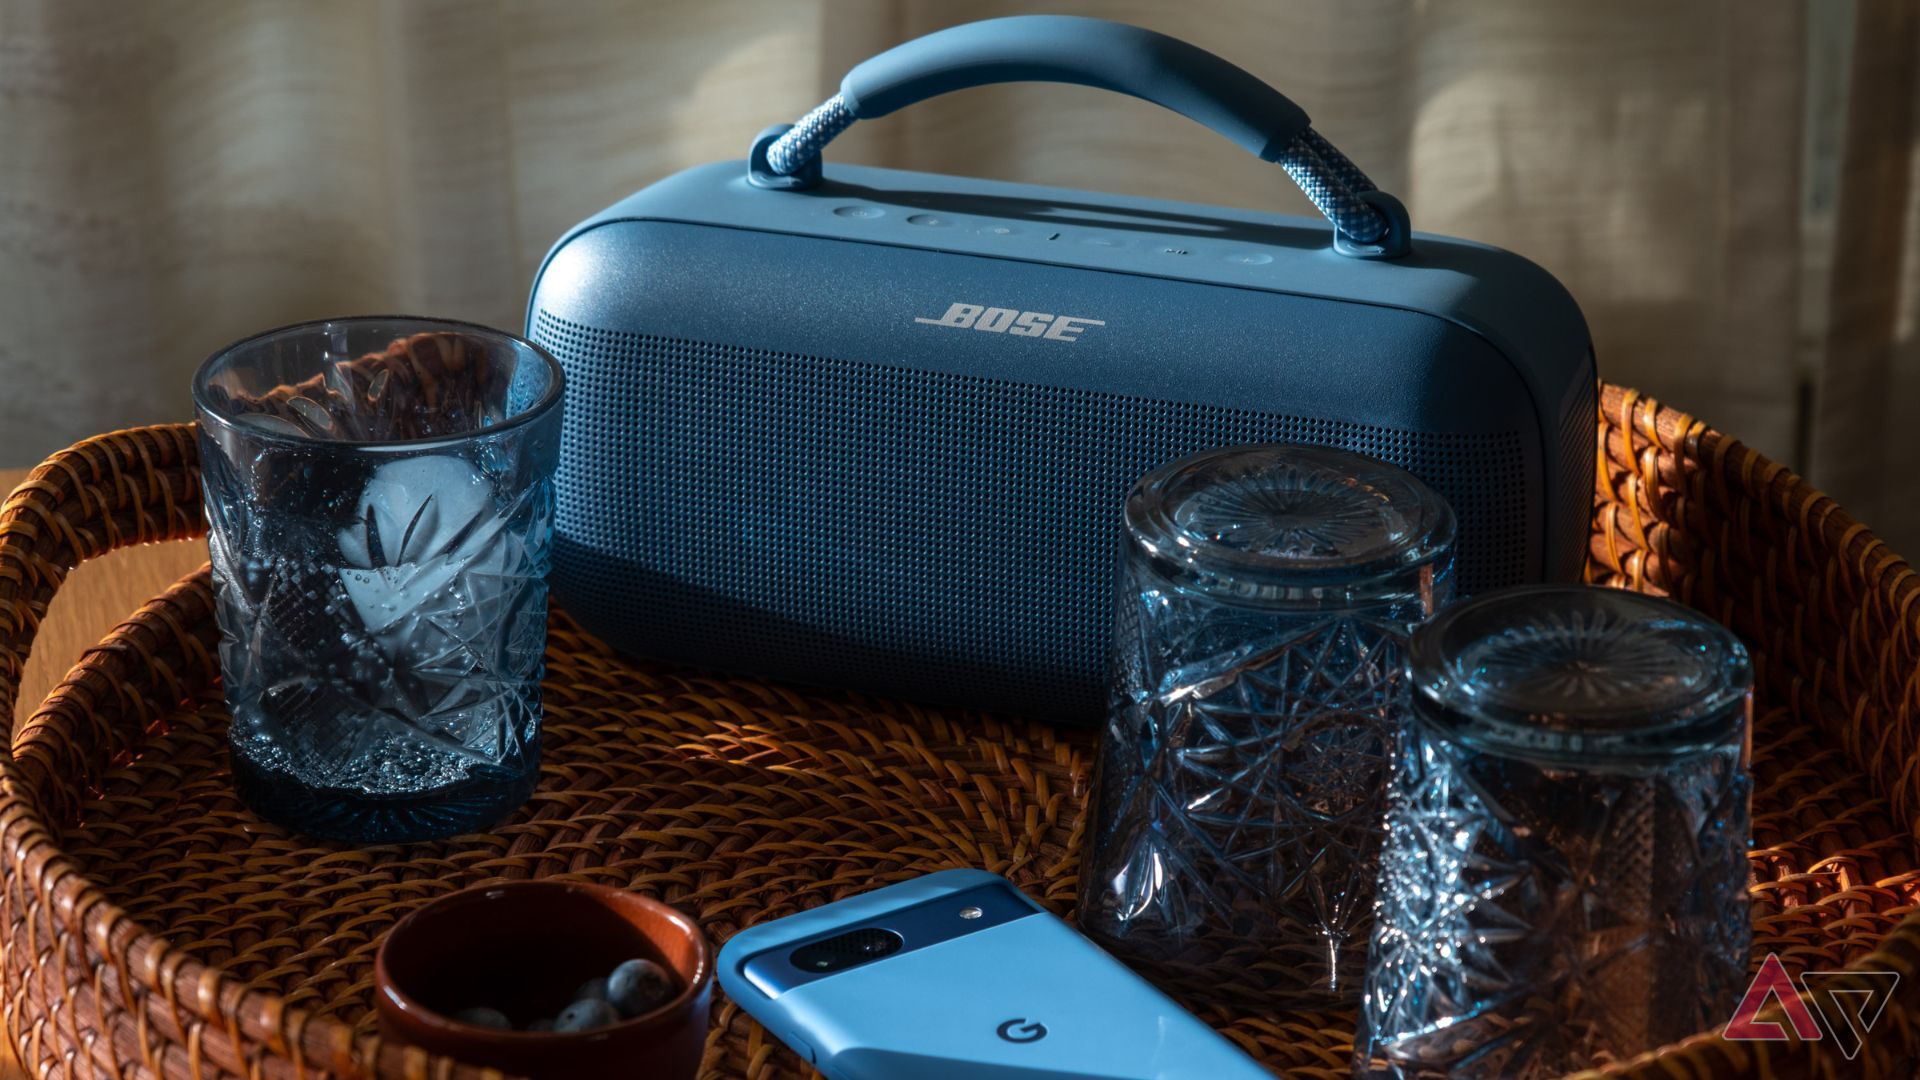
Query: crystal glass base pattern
x,y
380,540
1564,880
1258,686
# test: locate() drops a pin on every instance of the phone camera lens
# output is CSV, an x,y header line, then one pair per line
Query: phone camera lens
x,y
846,950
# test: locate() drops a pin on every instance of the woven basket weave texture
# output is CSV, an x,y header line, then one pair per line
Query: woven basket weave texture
x,y
154,928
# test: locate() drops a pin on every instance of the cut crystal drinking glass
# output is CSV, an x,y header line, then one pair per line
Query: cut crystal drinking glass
x,y
380,505
1564,881
1264,599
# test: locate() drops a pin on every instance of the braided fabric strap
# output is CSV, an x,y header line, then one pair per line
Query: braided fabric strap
x,y
1342,167
1331,181
790,152
1333,186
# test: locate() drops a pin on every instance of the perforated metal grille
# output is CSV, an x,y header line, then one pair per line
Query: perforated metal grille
x,y
916,533
1573,506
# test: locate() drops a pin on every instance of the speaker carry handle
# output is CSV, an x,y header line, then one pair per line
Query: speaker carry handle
x,y
1368,223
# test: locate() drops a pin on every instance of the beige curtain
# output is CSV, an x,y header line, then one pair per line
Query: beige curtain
x,y
1866,446
174,174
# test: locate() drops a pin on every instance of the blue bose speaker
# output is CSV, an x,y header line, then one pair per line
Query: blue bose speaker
x,y
872,428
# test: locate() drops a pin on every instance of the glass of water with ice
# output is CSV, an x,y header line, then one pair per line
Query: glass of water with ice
x,y
379,495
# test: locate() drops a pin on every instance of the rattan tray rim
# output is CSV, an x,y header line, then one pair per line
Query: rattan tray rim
x,y
134,490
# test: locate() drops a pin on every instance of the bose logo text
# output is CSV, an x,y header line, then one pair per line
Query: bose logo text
x,y
1001,320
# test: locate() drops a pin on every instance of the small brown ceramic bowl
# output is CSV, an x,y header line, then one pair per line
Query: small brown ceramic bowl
x,y
524,947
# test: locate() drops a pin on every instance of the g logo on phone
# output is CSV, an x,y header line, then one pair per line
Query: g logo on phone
x,y
1017,1030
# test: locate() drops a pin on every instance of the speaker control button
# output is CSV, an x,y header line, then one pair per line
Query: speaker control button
x,y
1250,258
933,220
859,211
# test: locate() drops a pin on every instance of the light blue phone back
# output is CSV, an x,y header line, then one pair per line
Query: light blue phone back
x,y
1027,998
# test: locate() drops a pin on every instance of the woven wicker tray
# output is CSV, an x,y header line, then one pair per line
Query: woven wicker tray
x,y
154,928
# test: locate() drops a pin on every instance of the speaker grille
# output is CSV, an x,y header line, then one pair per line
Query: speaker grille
x,y
1573,505
916,533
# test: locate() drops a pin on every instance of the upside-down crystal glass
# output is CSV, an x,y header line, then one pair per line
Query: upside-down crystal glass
x,y
1564,881
1264,598
379,495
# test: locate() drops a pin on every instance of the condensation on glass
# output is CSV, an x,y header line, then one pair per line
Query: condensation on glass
x,y
1565,877
1263,603
379,495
